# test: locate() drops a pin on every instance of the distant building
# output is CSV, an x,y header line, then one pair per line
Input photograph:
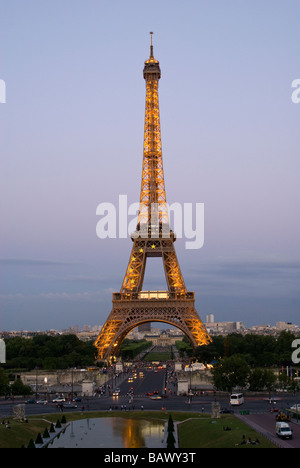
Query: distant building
x,y
210,318
165,338
223,328
286,326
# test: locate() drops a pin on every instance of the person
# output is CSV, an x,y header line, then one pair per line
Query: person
x,y
243,441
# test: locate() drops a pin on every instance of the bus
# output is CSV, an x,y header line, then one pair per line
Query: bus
x,y
237,399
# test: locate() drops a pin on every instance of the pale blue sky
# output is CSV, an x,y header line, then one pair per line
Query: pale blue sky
x,y
72,137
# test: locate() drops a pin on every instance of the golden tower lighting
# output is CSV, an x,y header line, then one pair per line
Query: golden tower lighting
x,y
153,238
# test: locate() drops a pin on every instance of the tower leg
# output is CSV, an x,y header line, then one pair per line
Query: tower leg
x,y
156,247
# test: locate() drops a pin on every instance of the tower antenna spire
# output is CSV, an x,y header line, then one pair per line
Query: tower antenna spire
x,y
151,45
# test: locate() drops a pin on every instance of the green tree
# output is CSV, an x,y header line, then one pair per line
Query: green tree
x,y
170,424
4,381
231,372
39,439
261,379
284,347
31,444
233,344
170,440
18,388
284,381
49,352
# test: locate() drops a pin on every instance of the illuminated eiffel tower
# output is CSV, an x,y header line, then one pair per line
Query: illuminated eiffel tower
x,y
153,238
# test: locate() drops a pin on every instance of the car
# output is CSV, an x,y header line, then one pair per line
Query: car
x,y
69,406
225,411
42,402
155,397
31,401
59,400
295,407
149,394
283,430
78,399
115,393
274,410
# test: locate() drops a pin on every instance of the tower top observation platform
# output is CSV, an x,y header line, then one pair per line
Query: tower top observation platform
x,y
151,69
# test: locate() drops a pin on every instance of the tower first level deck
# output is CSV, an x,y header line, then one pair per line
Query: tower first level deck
x,y
131,310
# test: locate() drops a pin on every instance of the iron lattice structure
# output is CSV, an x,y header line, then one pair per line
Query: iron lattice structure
x,y
153,238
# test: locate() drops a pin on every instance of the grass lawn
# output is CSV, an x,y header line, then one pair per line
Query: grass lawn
x,y
157,356
195,433
20,434
208,433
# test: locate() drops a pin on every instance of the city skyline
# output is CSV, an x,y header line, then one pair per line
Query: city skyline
x,y
74,112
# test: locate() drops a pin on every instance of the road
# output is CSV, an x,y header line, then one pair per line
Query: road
x,y
265,423
149,380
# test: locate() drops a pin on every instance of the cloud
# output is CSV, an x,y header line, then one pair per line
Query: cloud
x,y
86,296
27,261
68,278
257,279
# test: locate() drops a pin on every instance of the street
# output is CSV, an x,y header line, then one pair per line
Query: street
x,y
161,389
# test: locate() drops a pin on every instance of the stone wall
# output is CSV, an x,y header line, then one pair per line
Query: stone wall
x,y
196,380
46,381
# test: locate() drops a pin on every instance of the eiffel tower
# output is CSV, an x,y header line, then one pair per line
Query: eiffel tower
x,y
153,238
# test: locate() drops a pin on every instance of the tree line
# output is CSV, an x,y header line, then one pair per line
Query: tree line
x,y
48,352
65,351
239,361
249,361
257,350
